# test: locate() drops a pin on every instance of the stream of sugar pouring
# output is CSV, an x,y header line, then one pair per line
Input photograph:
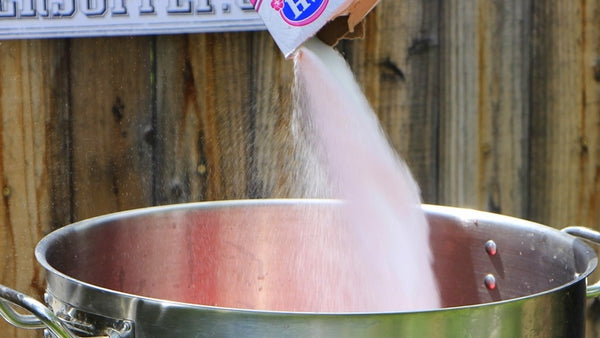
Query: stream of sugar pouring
x,y
387,230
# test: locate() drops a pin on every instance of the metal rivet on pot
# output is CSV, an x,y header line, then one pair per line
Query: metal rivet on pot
x,y
491,248
490,282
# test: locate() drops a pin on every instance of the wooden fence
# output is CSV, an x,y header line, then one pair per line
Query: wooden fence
x,y
494,104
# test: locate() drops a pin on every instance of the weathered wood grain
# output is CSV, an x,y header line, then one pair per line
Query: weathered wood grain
x,y
565,122
484,105
215,116
180,163
459,105
589,213
112,105
30,73
218,115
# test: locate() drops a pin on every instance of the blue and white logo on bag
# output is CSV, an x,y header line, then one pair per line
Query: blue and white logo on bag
x,y
299,12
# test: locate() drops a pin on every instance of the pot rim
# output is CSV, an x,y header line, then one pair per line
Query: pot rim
x,y
464,214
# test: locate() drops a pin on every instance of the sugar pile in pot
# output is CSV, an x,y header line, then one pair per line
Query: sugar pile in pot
x,y
383,254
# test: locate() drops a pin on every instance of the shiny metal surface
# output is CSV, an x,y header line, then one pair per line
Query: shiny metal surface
x,y
591,236
158,267
152,272
42,317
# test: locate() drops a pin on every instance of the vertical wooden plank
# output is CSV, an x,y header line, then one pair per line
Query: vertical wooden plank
x,y
31,110
220,102
458,105
397,65
183,170
208,155
565,120
222,76
484,105
180,164
503,42
58,132
224,87
589,212
111,124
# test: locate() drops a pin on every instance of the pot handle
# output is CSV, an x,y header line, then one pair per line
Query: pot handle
x,y
41,316
594,237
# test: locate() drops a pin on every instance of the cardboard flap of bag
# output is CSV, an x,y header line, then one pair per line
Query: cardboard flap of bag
x,y
349,24
338,29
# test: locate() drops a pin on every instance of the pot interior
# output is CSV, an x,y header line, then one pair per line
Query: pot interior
x,y
240,254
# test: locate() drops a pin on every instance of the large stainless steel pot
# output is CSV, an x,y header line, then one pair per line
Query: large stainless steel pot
x,y
151,272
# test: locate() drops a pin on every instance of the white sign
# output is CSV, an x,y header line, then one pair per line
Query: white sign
x,y
73,18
